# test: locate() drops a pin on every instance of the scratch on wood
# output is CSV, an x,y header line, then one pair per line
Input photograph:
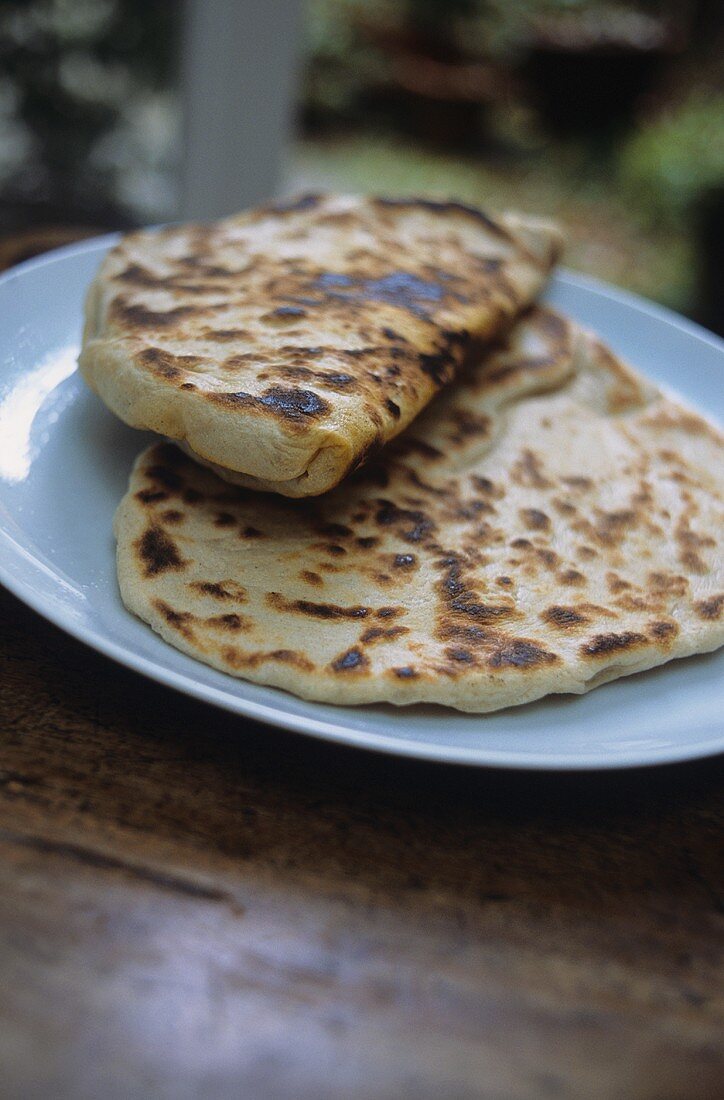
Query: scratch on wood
x,y
92,858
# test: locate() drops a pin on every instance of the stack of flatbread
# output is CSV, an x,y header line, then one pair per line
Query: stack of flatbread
x,y
394,477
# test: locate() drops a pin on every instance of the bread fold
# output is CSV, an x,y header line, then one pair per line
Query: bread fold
x,y
285,345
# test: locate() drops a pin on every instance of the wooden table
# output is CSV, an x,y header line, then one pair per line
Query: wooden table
x,y
196,906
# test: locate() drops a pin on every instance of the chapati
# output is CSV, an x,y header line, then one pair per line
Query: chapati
x,y
548,524
285,345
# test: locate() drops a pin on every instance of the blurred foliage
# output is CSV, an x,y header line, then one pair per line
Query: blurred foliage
x,y
361,54
338,64
675,158
81,83
499,28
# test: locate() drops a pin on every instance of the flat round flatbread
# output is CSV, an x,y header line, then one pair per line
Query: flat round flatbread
x,y
284,345
547,525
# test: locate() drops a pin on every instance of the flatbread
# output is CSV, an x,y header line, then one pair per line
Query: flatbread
x,y
285,344
547,525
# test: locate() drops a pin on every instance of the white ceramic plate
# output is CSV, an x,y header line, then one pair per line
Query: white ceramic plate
x,y
64,464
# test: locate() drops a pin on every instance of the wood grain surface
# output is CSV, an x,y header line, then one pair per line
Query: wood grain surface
x,y
196,906
193,905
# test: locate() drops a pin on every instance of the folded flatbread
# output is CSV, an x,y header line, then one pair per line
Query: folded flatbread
x,y
284,345
547,525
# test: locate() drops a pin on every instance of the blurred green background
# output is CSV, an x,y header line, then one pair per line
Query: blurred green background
x,y
609,115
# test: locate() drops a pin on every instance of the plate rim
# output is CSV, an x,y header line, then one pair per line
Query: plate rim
x,y
339,733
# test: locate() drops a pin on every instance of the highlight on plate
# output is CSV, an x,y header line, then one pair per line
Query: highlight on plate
x,y
384,473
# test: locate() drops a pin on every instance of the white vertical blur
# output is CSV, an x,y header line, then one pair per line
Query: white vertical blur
x,y
239,76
